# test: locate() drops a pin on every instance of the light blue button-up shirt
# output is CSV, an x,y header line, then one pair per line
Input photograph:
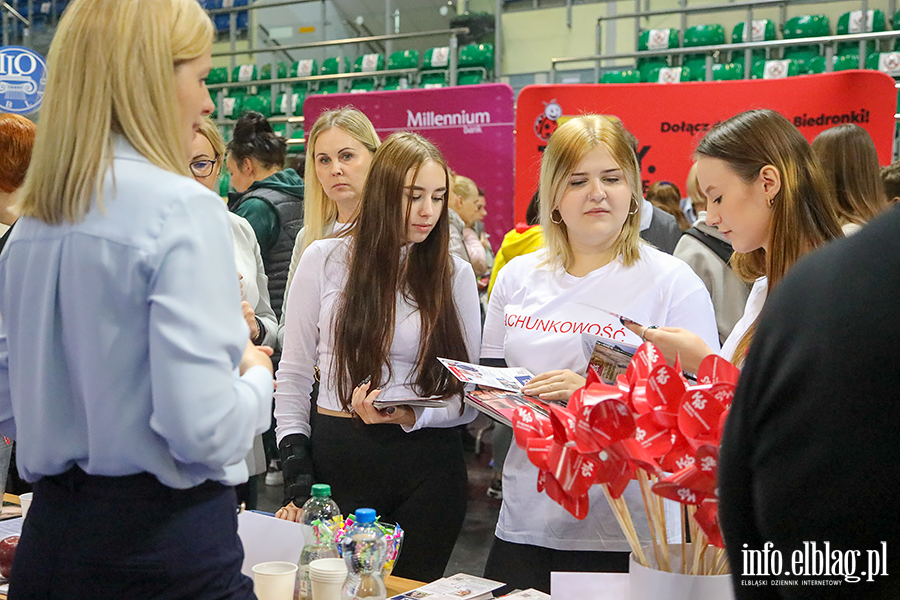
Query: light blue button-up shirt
x,y
121,335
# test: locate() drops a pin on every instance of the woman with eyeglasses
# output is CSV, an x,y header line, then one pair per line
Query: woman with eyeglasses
x,y
207,155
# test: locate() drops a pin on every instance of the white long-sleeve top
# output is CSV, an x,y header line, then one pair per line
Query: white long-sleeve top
x,y
309,340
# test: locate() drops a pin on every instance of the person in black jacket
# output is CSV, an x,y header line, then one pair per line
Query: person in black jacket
x,y
270,198
810,450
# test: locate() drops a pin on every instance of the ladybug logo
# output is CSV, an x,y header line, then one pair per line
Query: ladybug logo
x,y
546,122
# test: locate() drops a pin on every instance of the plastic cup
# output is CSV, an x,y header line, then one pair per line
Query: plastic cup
x,y
25,501
327,576
274,580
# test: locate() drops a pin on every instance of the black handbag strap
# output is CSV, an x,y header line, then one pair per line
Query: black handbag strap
x,y
721,248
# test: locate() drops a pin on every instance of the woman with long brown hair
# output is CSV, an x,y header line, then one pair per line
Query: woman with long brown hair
x,y
377,307
769,196
850,162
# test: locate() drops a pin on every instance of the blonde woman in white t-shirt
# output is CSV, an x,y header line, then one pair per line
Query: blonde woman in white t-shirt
x,y
594,264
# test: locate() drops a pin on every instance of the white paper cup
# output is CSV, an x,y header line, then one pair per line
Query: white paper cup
x,y
649,583
274,580
25,501
327,576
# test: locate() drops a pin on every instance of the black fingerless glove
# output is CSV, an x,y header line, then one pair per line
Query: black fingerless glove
x,y
297,467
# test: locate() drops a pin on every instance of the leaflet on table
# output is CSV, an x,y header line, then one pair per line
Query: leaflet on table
x,y
608,358
457,587
529,594
500,405
429,402
510,379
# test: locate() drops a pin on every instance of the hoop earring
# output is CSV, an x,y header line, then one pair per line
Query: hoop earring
x,y
636,206
551,217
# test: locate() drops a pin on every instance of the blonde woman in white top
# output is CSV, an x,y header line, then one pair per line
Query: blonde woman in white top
x,y
594,264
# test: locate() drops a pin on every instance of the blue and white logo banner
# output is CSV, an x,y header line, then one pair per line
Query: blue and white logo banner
x,y
23,77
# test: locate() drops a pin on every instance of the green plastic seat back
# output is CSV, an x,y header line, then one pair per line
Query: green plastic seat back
x,y
806,26
244,73
368,62
470,56
760,67
486,51
697,65
657,72
469,78
363,84
436,58
259,103
816,65
328,87
304,68
802,56
404,59
704,35
623,76
657,39
728,72
647,67
847,62
331,66
853,22
217,75
762,30
433,79
265,72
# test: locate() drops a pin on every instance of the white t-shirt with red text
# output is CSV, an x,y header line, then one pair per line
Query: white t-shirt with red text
x,y
535,319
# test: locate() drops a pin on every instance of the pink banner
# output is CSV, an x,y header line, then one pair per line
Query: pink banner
x,y
471,125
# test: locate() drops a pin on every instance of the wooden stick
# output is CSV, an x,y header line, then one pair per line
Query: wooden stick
x,y
632,538
721,567
651,522
699,545
684,526
661,523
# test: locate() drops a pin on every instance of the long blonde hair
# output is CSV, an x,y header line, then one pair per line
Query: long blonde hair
x,y
805,213
110,69
319,212
567,146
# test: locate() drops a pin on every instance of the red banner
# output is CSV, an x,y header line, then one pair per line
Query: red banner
x,y
670,119
471,125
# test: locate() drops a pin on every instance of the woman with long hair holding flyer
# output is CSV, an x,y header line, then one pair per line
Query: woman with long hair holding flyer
x,y
375,310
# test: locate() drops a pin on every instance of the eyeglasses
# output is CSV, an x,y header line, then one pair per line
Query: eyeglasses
x,y
203,168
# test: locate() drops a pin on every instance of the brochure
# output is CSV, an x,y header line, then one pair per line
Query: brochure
x,y
608,358
429,402
457,587
510,379
500,405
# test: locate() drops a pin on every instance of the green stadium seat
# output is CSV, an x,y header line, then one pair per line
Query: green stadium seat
x,y
655,39
775,69
623,76
217,75
434,68
802,27
889,62
332,66
670,75
280,129
363,64
853,22
290,104
700,35
402,59
476,63
728,72
231,106
842,62
260,103
761,30
304,68
243,74
265,72
896,41
224,182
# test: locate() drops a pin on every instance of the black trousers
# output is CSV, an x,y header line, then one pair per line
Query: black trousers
x,y
129,537
522,566
417,480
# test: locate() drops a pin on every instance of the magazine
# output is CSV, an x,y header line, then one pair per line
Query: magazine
x,y
500,404
510,379
429,402
457,587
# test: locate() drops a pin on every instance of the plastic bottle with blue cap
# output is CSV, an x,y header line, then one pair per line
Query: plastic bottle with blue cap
x,y
364,550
